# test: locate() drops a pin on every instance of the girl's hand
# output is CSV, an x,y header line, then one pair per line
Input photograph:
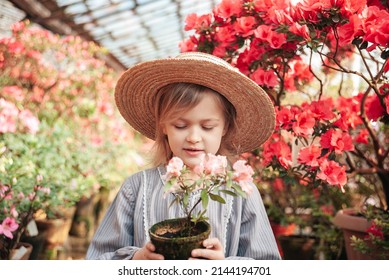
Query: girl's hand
x,y
213,250
147,253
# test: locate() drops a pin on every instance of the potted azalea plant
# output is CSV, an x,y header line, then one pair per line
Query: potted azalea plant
x,y
325,65
176,238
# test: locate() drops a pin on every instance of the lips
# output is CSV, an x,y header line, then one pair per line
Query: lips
x,y
193,151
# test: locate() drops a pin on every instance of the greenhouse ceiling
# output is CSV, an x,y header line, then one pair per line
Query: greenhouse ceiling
x,y
132,30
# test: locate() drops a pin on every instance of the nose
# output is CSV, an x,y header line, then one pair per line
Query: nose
x,y
193,136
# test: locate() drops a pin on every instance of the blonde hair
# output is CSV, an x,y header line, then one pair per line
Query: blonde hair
x,y
173,100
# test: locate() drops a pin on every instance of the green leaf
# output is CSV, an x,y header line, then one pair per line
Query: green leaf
x,y
228,192
239,191
167,186
204,198
175,200
185,200
217,198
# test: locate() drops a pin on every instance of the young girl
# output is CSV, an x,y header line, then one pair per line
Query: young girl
x,y
190,105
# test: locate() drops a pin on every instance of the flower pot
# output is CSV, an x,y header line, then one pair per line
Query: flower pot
x,y
56,231
353,225
282,230
22,251
298,247
83,223
37,242
171,244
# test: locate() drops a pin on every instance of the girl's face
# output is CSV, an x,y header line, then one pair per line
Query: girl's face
x,y
196,132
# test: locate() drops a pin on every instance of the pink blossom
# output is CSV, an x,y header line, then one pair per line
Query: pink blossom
x,y
14,91
21,195
266,34
337,141
362,137
174,167
29,121
8,116
228,8
332,173
244,25
304,124
310,155
264,78
243,175
300,30
14,212
187,45
45,190
225,35
215,164
8,226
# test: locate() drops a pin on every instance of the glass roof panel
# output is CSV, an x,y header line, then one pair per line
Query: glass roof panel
x,y
132,30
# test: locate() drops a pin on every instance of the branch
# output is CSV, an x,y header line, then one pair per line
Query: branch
x,y
314,74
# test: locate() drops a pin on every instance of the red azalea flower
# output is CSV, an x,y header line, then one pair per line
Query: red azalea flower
x,y
375,230
374,109
362,137
332,173
228,8
336,140
304,124
309,155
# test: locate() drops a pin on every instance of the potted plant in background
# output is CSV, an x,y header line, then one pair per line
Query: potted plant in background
x,y
176,238
325,66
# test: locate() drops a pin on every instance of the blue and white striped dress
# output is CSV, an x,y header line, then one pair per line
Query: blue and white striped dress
x,y
241,224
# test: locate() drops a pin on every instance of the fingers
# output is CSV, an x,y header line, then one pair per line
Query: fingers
x,y
213,243
213,250
147,253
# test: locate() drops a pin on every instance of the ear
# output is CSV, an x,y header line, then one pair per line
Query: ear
x,y
163,127
225,129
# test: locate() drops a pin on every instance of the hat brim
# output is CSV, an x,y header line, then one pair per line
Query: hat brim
x,y
136,88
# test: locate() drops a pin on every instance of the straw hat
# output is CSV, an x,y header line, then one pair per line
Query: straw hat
x,y
137,87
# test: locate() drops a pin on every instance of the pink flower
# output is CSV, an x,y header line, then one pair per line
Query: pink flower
x,y
8,116
264,78
215,164
243,175
332,173
362,137
310,155
304,124
228,8
187,45
336,140
29,121
244,25
14,91
266,34
174,167
8,226
284,117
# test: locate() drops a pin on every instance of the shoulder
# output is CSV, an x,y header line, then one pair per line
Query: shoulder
x,y
135,181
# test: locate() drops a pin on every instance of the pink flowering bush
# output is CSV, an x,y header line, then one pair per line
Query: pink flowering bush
x,y
211,178
57,123
325,66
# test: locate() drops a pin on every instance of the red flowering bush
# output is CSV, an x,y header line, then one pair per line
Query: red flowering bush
x,y
325,66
